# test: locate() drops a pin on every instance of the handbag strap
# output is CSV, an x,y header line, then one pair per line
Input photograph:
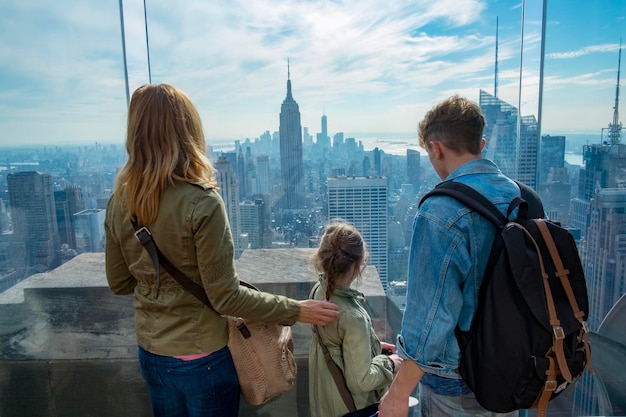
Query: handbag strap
x,y
144,236
335,371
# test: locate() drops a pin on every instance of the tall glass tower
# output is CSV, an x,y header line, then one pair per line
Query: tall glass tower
x,y
33,213
228,187
291,160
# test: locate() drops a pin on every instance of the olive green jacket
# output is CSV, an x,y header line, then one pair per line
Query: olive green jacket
x,y
193,232
355,348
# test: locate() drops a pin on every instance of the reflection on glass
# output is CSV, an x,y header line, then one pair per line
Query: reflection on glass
x,y
362,76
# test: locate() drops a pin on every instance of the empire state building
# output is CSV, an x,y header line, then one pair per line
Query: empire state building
x,y
291,165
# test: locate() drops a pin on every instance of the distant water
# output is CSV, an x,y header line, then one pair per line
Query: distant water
x,y
398,143
574,158
393,144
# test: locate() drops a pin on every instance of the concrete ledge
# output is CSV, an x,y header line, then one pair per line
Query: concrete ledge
x,y
68,346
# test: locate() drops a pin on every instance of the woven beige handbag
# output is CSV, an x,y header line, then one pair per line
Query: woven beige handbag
x,y
263,353
263,356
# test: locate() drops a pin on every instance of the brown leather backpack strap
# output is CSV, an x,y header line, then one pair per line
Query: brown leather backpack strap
x,y
550,386
557,331
562,274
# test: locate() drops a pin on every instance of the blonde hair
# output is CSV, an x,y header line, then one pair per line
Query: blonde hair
x,y
341,250
165,142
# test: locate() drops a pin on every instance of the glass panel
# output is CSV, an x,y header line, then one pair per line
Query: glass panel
x,y
361,76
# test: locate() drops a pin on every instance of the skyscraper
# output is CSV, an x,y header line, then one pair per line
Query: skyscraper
x,y
515,156
413,168
500,132
253,221
552,155
527,154
229,190
291,159
33,214
602,183
67,203
604,253
363,202
604,167
89,230
263,175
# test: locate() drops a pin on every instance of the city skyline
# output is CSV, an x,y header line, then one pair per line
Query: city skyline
x,y
375,68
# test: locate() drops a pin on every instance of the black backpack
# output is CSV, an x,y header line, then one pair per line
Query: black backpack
x,y
528,339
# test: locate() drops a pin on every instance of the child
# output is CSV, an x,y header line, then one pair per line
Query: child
x,y
351,340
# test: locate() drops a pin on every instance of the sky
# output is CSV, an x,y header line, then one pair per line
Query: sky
x,y
373,67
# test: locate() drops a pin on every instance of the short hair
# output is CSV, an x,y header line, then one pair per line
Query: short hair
x,y
457,122
164,142
341,250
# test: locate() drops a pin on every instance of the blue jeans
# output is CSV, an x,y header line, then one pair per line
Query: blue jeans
x,y
436,405
205,387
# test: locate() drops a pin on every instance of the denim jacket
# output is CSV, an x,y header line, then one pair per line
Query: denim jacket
x,y
449,250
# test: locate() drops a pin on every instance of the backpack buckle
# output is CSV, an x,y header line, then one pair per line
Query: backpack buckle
x,y
143,235
585,327
558,333
550,386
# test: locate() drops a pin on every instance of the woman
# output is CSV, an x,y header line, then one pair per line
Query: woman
x,y
351,340
166,185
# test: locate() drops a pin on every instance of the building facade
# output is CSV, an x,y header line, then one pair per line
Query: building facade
x,y
252,215
604,252
33,215
89,230
228,187
363,202
291,158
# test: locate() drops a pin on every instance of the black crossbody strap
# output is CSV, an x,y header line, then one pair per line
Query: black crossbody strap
x,y
336,373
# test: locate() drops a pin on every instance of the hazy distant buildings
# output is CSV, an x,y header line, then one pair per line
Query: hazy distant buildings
x,y
552,155
228,187
556,194
322,140
413,168
263,175
67,203
363,202
89,230
604,167
33,215
291,158
252,214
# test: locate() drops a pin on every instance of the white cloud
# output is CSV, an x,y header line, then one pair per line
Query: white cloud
x,y
608,47
368,64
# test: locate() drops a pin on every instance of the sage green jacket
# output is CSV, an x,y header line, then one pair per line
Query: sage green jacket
x,y
355,348
193,232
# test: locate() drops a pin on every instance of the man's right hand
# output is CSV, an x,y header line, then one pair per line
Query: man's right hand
x,y
392,406
395,402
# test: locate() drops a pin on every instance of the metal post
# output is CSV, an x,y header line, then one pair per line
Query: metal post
x,y
124,52
540,106
145,19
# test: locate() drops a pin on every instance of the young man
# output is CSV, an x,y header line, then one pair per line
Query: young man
x,y
449,251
